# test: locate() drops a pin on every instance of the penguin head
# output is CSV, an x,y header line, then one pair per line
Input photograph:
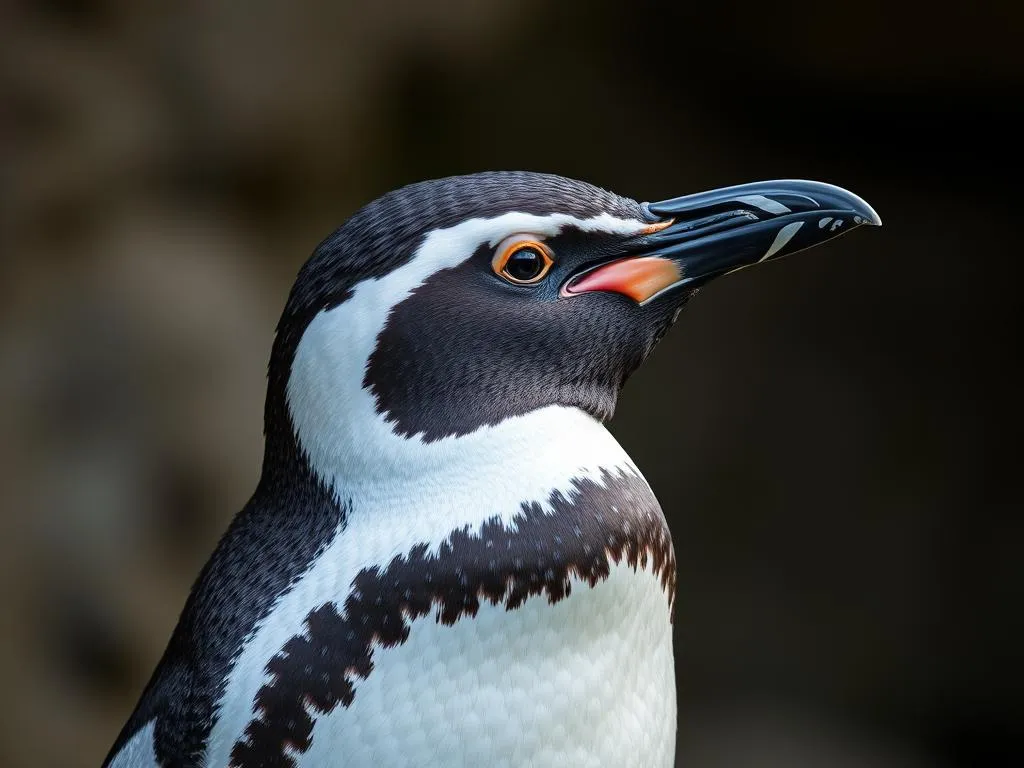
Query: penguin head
x,y
454,305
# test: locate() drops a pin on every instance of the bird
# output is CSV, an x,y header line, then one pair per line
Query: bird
x,y
448,559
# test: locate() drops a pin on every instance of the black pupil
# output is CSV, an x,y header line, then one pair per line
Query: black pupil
x,y
525,264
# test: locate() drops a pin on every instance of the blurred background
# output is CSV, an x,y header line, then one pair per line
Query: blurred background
x,y
835,438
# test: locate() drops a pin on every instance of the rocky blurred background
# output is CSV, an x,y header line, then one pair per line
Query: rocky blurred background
x,y
835,438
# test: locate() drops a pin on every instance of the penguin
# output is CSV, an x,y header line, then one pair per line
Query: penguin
x,y
448,559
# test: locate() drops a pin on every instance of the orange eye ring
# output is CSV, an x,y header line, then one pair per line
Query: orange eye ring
x,y
522,260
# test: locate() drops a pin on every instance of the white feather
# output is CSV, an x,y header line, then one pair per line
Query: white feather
x,y
138,751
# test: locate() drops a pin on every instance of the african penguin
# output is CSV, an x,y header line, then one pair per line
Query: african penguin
x,y
448,560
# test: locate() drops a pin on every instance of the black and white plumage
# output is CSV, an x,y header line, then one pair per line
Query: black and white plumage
x,y
448,560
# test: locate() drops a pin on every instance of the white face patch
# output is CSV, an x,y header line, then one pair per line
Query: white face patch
x,y
347,442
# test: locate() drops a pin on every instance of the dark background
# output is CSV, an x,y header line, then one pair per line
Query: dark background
x,y
835,438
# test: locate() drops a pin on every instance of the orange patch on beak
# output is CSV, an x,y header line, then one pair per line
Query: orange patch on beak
x,y
639,278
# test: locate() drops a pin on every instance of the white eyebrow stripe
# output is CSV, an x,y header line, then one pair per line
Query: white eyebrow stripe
x,y
554,223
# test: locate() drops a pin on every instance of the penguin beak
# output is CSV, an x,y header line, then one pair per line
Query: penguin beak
x,y
699,237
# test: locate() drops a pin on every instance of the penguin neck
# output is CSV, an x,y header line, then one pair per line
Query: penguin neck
x,y
350,458
393,491
319,404
399,492
526,457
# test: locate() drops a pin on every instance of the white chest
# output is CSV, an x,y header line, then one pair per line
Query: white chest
x,y
587,681
515,619
539,640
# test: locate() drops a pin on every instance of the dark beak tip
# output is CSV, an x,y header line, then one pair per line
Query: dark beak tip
x,y
872,218
861,209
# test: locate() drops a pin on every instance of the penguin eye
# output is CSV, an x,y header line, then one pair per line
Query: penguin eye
x,y
522,260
